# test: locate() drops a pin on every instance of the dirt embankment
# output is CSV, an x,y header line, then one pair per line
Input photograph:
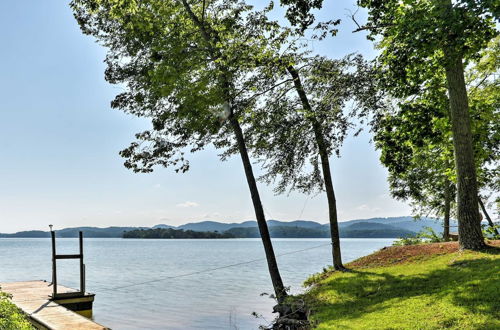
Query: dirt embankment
x,y
401,254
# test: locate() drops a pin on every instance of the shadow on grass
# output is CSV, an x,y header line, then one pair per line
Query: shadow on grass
x,y
472,284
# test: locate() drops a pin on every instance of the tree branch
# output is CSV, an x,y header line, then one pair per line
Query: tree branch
x,y
366,27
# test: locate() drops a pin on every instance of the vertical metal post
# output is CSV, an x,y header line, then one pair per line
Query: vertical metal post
x,y
82,266
54,273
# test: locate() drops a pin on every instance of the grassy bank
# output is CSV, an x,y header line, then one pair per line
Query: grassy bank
x,y
11,318
431,286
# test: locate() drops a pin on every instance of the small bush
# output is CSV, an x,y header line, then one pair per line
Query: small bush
x,y
11,318
490,233
403,241
428,235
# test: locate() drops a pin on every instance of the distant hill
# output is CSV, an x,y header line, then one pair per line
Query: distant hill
x,y
406,222
374,227
373,230
212,226
401,223
90,232
28,234
162,226
369,229
296,223
280,232
220,227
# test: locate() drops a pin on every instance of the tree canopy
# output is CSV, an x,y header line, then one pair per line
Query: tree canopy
x,y
415,138
285,141
420,39
188,66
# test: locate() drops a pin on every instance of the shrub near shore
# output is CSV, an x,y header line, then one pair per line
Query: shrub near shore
x,y
11,318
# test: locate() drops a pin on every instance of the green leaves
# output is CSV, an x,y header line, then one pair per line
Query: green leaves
x,y
415,138
415,33
285,134
11,317
299,12
178,65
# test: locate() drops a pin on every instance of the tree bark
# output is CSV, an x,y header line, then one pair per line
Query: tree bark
x,y
279,288
447,204
490,222
330,194
325,166
470,235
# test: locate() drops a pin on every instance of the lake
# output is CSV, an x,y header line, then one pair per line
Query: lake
x,y
146,284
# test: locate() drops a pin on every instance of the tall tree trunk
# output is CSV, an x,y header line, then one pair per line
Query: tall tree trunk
x,y
490,222
469,228
330,194
325,166
211,37
279,288
447,204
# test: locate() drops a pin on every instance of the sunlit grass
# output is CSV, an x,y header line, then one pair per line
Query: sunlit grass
x,y
458,290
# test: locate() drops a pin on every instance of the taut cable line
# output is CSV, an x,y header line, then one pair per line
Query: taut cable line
x,y
159,279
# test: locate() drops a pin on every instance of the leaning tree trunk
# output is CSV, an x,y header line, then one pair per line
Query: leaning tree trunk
x,y
211,37
330,194
490,222
279,288
325,166
469,227
447,204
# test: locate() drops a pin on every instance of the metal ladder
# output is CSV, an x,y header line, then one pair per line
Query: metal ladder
x,y
55,257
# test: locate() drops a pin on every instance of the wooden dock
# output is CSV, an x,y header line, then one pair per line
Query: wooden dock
x,y
35,299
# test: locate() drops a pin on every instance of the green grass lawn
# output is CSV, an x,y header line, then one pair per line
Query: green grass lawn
x,y
11,318
456,290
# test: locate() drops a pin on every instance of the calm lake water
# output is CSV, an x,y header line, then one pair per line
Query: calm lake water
x,y
217,299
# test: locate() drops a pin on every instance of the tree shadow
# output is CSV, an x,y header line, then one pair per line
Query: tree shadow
x,y
472,284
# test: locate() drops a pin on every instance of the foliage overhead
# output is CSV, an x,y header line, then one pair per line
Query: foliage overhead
x,y
174,75
415,136
285,141
415,33
299,12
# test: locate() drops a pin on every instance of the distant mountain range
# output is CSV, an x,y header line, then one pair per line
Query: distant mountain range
x,y
363,228
73,232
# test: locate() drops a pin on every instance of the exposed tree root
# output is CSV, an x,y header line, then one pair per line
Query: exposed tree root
x,y
292,316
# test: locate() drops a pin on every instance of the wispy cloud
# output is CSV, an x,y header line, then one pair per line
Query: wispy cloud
x,y
214,215
188,204
365,207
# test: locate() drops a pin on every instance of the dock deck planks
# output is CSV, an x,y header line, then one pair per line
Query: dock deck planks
x,y
33,297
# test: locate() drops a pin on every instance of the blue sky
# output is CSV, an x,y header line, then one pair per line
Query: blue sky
x,y
59,141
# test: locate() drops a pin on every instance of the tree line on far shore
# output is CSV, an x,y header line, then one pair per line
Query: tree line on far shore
x,y
274,231
174,233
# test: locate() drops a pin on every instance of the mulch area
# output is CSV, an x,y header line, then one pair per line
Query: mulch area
x,y
400,254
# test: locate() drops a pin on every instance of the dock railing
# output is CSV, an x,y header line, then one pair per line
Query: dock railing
x,y
55,257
